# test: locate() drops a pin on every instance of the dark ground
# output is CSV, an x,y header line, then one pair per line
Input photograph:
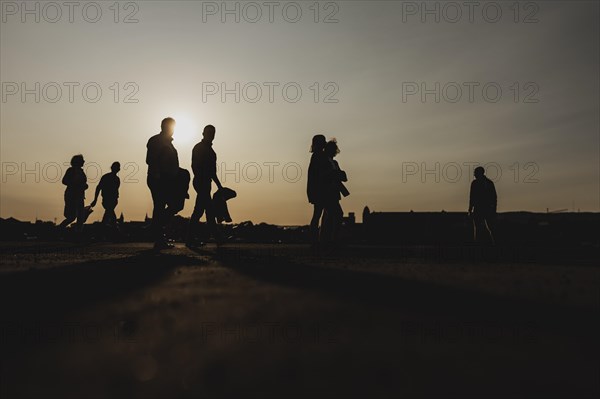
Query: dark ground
x,y
118,320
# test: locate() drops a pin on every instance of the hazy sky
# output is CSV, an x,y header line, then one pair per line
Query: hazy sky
x,y
541,132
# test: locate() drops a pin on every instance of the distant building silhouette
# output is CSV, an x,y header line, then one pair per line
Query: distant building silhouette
x,y
349,220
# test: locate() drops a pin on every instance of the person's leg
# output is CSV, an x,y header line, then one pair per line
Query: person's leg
x,y
327,223
70,213
195,220
81,216
490,225
68,220
337,216
211,224
110,217
154,191
159,198
478,227
170,206
199,208
314,223
105,217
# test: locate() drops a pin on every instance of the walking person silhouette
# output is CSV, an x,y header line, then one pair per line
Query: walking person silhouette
x,y
315,185
109,187
204,166
482,205
333,186
163,170
76,182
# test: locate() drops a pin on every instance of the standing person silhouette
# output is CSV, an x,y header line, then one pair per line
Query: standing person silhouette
x,y
482,205
163,169
109,186
204,166
314,188
76,182
333,186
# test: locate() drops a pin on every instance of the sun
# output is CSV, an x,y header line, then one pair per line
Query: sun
x,y
186,129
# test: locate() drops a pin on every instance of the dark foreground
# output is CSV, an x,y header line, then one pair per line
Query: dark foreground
x,y
274,321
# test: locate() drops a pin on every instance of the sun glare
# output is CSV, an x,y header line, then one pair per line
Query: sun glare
x,y
186,129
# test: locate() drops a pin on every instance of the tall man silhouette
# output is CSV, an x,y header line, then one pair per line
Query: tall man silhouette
x,y
315,186
204,166
163,169
482,205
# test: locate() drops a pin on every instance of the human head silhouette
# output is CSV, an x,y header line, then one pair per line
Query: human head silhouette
x,y
115,167
479,172
318,143
77,161
209,133
331,148
167,126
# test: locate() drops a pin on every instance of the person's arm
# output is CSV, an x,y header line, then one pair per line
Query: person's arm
x,y
471,204
214,172
494,197
196,160
149,153
329,171
98,188
152,158
339,173
216,180
342,174
66,180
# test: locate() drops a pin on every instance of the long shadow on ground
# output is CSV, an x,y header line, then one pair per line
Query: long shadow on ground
x,y
392,292
58,290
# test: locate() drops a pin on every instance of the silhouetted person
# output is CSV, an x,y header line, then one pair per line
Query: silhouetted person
x,y
109,187
482,205
163,169
333,177
76,182
204,166
315,186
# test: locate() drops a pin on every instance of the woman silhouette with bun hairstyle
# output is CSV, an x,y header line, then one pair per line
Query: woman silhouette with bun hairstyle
x,y
333,179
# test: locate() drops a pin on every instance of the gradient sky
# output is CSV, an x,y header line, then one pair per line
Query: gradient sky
x,y
370,54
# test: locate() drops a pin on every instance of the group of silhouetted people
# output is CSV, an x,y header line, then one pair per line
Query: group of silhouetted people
x,y
76,182
169,185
